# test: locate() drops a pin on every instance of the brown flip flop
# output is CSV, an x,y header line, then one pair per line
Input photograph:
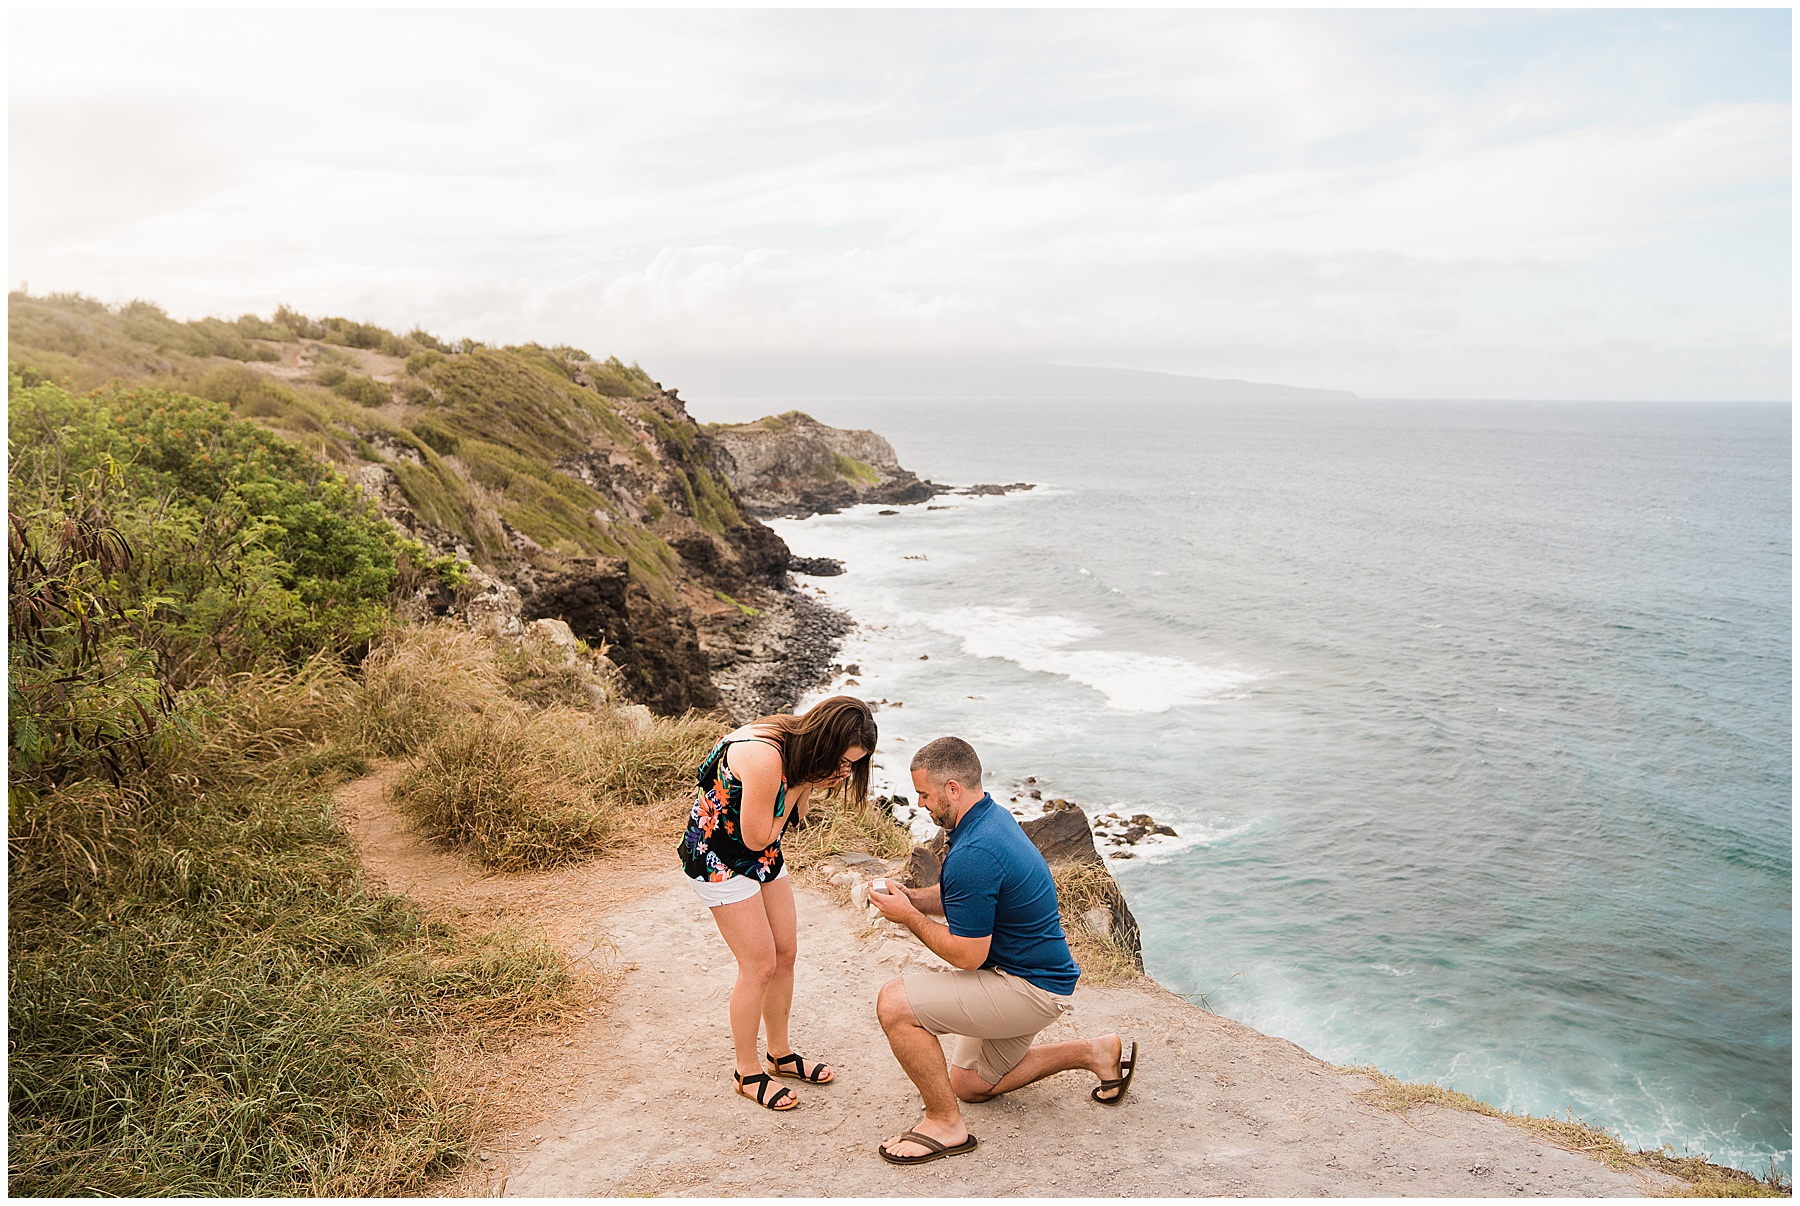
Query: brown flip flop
x,y
935,1150
1127,1065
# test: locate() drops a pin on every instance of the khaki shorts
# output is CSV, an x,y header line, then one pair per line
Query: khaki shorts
x,y
993,1015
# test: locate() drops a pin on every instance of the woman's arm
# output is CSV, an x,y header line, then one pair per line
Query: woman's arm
x,y
798,800
757,766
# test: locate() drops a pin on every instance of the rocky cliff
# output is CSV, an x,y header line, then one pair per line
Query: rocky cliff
x,y
579,488
794,465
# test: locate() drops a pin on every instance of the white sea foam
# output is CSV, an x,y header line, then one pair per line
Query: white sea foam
x,y
1130,681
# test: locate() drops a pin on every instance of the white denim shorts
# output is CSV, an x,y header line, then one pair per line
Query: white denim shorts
x,y
729,890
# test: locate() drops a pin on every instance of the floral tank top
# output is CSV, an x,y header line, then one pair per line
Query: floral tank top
x,y
713,849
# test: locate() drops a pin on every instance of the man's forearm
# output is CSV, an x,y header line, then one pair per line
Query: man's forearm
x,y
927,900
965,953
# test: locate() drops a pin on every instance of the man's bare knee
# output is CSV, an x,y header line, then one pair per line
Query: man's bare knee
x,y
893,1007
968,1086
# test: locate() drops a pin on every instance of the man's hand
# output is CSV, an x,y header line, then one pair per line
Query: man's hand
x,y
897,905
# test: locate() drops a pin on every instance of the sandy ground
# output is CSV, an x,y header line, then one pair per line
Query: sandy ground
x,y
635,1098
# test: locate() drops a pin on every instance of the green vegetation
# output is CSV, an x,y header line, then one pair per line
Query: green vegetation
x,y
203,998
783,421
496,422
856,471
1704,1180
532,788
748,610
515,763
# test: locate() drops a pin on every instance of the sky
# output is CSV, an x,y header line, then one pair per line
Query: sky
x,y
1445,203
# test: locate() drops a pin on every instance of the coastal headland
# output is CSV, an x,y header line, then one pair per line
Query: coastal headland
x,y
605,552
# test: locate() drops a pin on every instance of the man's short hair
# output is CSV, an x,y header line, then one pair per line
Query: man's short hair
x,y
949,758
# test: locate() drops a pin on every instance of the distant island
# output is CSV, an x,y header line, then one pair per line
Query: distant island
x,y
808,377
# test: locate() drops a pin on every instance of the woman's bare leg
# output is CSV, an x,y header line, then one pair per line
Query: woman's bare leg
x,y
745,927
778,997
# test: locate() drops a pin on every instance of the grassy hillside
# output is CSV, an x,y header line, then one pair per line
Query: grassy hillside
x,y
204,998
479,440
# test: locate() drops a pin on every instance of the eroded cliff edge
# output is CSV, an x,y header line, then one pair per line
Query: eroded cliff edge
x,y
792,465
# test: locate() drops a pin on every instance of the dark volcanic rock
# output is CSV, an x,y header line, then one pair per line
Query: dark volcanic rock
x,y
700,552
656,649
1061,836
762,556
926,862
747,553
817,567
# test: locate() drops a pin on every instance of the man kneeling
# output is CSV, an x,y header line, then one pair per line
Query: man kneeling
x,y
1015,975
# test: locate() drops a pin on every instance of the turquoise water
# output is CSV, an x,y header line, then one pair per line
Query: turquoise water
x,y
1474,718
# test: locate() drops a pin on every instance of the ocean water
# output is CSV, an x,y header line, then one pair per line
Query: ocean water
x,y
1474,719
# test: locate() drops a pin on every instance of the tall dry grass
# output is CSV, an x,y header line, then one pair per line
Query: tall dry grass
x,y
515,784
510,788
834,825
419,682
203,998
1105,959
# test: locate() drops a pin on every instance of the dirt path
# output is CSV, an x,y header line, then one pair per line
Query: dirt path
x,y
637,1100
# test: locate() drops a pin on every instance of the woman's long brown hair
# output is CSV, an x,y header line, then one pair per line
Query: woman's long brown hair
x,y
812,745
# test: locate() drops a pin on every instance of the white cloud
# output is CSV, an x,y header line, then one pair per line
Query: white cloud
x,y
1363,200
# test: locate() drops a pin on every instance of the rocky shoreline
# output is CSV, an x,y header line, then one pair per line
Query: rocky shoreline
x,y
780,655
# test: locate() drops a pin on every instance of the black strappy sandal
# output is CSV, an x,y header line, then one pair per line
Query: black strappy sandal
x,y
763,1084
821,1073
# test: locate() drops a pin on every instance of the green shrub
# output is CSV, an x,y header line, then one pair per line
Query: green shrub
x,y
363,335
364,391
855,470
246,391
157,541
330,375
252,327
298,323
82,691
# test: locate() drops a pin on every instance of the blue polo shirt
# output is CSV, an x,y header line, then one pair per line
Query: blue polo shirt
x,y
996,883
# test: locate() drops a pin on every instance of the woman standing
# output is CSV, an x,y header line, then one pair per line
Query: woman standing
x,y
754,782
